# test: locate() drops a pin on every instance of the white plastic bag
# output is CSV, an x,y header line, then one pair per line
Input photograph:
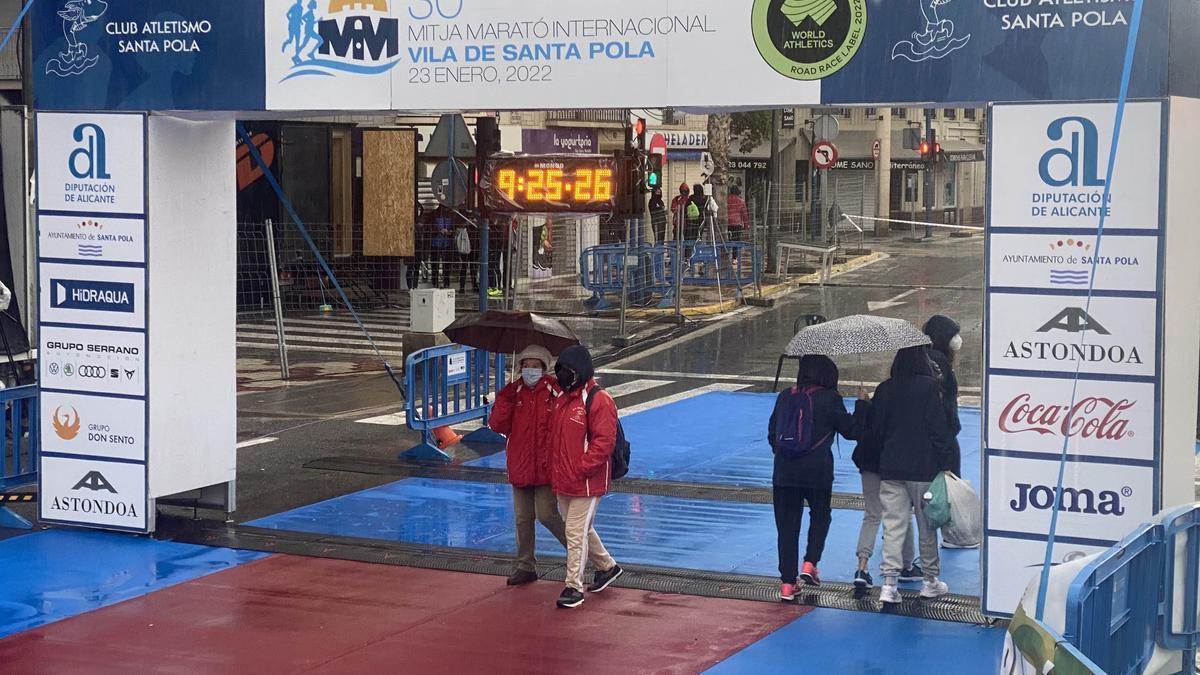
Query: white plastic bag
x,y
965,529
462,241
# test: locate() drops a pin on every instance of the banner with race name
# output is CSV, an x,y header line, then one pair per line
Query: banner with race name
x,y
376,55
1047,187
93,277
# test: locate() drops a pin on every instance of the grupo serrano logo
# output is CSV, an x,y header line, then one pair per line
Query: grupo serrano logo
x,y
808,39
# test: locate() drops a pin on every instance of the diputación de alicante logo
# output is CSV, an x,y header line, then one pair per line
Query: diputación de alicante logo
x,y
808,39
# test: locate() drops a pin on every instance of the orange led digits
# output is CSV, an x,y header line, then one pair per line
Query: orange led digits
x,y
550,183
506,180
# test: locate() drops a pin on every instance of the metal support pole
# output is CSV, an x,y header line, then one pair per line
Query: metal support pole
x,y
484,285
680,219
622,339
929,169
772,224
277,301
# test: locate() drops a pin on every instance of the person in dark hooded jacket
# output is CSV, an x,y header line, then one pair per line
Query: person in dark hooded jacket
x,y
809,476
583,438
907,414
947,341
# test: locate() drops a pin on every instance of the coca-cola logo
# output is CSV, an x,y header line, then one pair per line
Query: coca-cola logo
x,y
1092,417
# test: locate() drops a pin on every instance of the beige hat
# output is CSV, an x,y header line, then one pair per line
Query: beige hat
x,y
535,352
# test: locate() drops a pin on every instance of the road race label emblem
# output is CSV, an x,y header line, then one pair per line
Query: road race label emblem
x,y
66,425
76,16
94,481
808,39
354,37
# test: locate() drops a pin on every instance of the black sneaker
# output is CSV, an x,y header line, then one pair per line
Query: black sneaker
x,y
570,598
601,580
914,573
522,577
862,579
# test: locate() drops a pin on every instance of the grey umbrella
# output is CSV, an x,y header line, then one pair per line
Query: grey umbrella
x,y
857,334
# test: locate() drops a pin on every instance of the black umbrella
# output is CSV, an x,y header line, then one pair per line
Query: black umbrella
x,y
507,332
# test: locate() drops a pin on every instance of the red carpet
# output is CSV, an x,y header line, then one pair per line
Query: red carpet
x,y
289,614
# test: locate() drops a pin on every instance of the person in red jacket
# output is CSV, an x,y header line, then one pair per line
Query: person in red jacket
x,y
583,444
522,413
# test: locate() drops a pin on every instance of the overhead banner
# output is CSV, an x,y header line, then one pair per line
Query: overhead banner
x,y
92,274
1048,162
376,55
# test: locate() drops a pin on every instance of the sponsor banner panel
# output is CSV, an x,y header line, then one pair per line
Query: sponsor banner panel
x,y
1042,333
93,492
1051,160
92,425
91,163
92,238
1013,563
93,361
446,54
1062,262
1109,419
93,295
1100,501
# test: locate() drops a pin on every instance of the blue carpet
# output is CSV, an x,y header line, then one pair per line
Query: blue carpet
x,y
52,575
834,641
721,437
650,530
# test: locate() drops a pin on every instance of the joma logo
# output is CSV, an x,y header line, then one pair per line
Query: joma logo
x,y
1074,500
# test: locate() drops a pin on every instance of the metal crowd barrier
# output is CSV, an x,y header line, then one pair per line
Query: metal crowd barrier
x,y
1138,594
448,385
659,265
19,457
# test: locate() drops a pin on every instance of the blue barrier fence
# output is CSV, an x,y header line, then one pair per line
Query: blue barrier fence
x,y
449,385
1138,594
19,462
19,455
657,267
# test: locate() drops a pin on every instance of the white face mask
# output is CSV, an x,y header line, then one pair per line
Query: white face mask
x,y
956,343
531,376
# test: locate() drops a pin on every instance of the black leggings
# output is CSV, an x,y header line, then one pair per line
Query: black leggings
x,y
789,508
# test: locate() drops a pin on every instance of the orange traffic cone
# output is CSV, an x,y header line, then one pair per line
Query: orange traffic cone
x,y
445,435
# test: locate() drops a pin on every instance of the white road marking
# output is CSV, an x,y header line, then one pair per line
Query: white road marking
x,y
389,420
682,396
634,387
256,441
721,377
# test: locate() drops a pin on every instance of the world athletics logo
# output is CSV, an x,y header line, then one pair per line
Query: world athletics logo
x,y
808,39
355,36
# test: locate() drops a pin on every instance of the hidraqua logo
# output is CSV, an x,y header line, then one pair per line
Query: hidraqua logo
x,y
355,36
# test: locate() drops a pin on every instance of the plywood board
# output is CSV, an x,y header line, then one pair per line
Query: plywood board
x,y
389,192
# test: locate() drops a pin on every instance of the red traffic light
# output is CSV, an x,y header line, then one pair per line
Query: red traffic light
x,y
639,127
924,147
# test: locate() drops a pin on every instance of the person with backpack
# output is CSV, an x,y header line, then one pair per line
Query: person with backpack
x,y
584,433
801,434
907,414
522,414
946,337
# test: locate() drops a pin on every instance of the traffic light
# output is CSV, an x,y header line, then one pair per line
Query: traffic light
x,y
654,170
925,149
935,149
639,132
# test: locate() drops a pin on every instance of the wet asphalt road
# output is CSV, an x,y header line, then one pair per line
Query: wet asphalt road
x,y
318,421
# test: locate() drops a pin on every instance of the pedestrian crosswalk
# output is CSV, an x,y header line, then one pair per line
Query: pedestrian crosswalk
x,y
629,397
335,333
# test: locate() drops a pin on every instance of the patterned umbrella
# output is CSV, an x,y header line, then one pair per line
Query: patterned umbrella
x,y
857,334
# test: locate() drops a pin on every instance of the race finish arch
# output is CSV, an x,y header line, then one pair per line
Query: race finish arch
x,y
136,101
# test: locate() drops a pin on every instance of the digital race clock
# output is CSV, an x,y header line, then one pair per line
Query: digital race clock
x,y
550,183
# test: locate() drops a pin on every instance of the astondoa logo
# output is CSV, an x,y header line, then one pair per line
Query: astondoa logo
x,y
1073,320
94,481
1074,500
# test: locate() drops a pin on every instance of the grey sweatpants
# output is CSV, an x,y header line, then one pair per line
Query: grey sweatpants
x,y
900,499
872,517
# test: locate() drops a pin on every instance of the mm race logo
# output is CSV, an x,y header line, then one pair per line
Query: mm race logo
x,y
349,36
